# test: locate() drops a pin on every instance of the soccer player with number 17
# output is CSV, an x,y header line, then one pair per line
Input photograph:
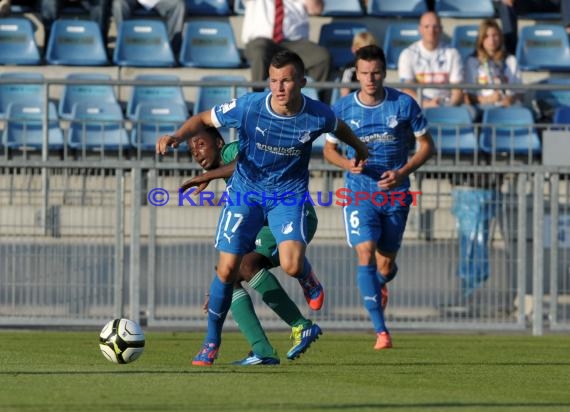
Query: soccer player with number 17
x,y
276,130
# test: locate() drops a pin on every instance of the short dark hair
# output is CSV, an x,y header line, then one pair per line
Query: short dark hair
x,y
284,57
370,53
210,132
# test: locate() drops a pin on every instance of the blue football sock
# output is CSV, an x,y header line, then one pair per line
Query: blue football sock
x,y
218,307
369,286
305,272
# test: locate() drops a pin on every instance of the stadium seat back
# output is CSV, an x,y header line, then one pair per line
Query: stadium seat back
x,y
153,119
464,38
209,44
17,42
143,43
31,94
76,43
208,8
97,126
509,130
77,93
465,9
452,130
337,38
154,92
561,115
398,37
343,8
24,127
543,47
396,8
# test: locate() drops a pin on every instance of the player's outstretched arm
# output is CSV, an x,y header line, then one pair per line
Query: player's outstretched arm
x,y
202,181
190,127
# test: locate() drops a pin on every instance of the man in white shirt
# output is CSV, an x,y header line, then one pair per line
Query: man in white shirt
x,y
429,61
258,32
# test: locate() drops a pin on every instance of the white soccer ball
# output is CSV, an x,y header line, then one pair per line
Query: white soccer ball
x,y
121,341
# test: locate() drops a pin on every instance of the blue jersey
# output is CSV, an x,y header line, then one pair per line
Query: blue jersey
x,y
274,150
387,128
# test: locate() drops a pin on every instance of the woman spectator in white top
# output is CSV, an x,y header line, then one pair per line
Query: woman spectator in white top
x,y
491,64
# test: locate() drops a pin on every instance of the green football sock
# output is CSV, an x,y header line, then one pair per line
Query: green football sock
x,y
248,323
277,299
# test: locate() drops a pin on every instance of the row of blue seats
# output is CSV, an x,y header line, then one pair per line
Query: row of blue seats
x,y
381,8
99,125
212,44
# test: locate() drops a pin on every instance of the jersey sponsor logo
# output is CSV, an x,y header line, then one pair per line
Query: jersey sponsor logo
x,y
226,107
287,228
378,137
281,151
260,130
305,137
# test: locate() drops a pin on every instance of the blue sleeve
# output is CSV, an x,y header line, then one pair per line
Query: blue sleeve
x,y
230,114
418,122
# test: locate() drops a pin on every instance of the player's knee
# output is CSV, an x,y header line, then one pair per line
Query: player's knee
x,y
292,267
389,271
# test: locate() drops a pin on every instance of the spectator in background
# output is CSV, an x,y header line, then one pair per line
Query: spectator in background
x,y
361,39
491,64
264,35
172,11
5,7
50,11
429,61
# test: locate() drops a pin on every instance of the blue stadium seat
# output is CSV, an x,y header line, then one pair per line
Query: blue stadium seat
x,y
548,100
464,38
24,127
543,47
31,94
396,8
509,130
154,119
452,130
97,127
76,43
154,93
337,38
342,8
17,42
465,9
208,8
210,96
209,44
398,37
77,93
561,115
143,43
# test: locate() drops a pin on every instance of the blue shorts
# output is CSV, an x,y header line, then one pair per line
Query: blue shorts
x,y
240,222
368,222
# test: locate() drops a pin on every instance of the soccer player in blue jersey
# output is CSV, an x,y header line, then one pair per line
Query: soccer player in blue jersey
x,y
218,159
386,120
276,130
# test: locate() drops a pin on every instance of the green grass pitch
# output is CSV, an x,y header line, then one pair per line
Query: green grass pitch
x,y
65,371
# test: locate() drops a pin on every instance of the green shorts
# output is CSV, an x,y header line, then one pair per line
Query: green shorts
x,y
266,245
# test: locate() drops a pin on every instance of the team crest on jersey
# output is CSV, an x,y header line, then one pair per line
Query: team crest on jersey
x,y
226,107
305,137
287,228
392,121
